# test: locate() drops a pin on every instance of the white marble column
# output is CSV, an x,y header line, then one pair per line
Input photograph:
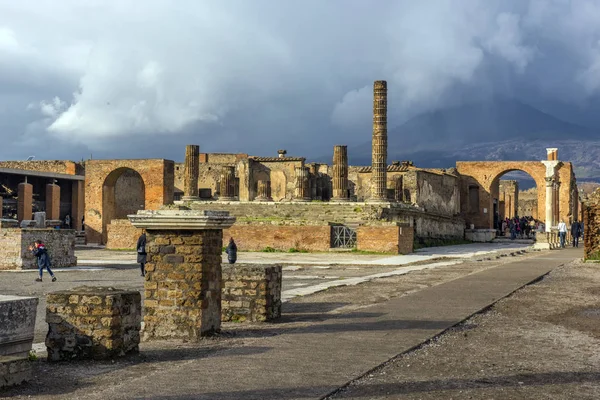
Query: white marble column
x,y
549,203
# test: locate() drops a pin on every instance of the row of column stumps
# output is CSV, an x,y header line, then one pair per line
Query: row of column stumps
x,y
379,145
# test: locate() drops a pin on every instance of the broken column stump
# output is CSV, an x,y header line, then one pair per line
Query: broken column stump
x,y
183,273
251,292
92,323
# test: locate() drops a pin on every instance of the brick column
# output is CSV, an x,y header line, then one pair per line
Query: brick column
x,y
399,188
77,204
340,173
302,184
227,184
379,146
52,201
25,201
191,173
183,279
263,191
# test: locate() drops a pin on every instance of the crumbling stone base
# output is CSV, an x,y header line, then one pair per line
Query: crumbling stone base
x,y
14,371
183,284
251,292
92,322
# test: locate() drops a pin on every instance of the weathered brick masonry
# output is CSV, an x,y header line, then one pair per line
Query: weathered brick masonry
x,y
591,226
390,238
122,235
183,284
14,243
255,237
92,322
251,292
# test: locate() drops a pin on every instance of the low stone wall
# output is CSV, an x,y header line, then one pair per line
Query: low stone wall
x,y
92,323
480,235
14,243
385,238
17,323
591,227
251,292
121,234
257,237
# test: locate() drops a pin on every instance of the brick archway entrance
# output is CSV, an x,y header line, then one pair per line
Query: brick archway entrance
x,y
100,178
479,188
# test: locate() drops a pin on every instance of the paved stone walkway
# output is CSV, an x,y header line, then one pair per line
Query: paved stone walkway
x,y
313,361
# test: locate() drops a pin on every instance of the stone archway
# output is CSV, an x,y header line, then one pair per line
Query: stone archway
x,y
123,193
480,179
157,175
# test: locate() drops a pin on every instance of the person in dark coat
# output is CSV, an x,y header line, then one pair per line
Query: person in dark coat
x,y
231,251
43,259
575,232
141,252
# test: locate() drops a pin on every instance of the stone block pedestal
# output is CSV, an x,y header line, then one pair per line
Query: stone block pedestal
x,y
183,273
92,323
17,323
251,292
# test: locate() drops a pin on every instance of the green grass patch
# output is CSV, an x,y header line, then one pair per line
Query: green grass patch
x,y
269,249
295,250
594,257
375,253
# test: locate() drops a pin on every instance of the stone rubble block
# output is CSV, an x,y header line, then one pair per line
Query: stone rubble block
x,y
92,323
17,323
251,292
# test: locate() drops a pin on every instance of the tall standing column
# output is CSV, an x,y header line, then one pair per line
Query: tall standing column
x,y
191,172
25,201
549,203
52,202
340,173
379,145
302,184
227,184
77,204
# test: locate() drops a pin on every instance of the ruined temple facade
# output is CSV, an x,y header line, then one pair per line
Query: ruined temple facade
x,y
290,201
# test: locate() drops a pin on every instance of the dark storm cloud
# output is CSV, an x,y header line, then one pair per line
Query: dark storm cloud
x,y
119,80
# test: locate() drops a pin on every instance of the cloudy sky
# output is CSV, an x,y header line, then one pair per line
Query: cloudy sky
x,y
140,79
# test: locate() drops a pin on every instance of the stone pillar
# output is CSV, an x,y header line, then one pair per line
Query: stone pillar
x,y
52,201
302,192
399,188
191,172
549,203
263,191
1,206
227,184
183,273
379,145
340,173
77,204
25,201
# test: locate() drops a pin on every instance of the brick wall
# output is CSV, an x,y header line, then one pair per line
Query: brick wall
x,y
122,235
56,166
251,292
15,255
385,239
92,322
280,237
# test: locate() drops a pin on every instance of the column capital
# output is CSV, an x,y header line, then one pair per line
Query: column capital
x,y
550,180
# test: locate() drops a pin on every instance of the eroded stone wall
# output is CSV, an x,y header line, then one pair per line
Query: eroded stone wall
x,y
591,226
14,243
260,236
92,323
122,235
251,292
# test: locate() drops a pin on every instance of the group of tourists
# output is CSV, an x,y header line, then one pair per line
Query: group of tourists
x,y
523,227
576,232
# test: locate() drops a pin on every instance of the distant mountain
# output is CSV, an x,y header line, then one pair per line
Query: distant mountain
x,y
472,124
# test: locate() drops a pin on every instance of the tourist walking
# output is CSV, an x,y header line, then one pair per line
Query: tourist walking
x,y
575,232
231,251
562,233
43,259
68,221
141,252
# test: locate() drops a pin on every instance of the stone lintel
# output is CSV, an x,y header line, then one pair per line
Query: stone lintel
x,y
181,219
